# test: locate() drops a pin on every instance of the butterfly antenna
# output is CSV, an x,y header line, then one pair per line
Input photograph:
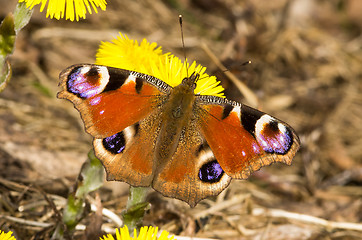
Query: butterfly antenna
x,y
183,42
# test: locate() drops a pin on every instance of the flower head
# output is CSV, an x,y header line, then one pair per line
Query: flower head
x,y
146,233
72,8
147,58
6,236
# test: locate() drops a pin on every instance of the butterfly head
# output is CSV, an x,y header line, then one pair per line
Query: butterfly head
x,y
190,82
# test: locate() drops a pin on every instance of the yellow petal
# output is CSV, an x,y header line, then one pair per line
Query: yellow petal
x,y
72,9
148,58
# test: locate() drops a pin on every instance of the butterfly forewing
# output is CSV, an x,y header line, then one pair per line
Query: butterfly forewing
x,y
110,99
246,139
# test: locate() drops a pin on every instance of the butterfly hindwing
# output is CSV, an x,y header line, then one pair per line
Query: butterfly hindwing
x,y
192,173
244,139
110,99
128,155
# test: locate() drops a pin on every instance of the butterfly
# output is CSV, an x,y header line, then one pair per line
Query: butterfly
x,y
185,145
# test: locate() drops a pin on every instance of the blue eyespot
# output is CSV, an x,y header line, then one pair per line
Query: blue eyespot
x,y
211,172
115,143
86,82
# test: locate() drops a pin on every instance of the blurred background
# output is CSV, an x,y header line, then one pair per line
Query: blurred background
x,y
306,70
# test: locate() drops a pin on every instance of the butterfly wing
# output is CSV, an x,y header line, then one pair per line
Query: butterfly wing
x,y
110,99
244,139
119,109
193,173
223,140
128,155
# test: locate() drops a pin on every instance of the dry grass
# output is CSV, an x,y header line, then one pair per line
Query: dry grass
x,y
306,69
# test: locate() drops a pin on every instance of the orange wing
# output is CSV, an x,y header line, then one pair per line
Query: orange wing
x,y
193,173
110,99
128,155
244,139
119,109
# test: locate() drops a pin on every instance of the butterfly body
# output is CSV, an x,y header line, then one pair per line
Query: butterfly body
x,y
175,117
184,145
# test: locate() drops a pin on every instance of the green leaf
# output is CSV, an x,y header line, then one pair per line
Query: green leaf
x,y
73,212
91,176
133,216
22,16
7,41
136,208
7,35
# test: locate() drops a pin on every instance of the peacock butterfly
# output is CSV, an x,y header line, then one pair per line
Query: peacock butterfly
x,y
185,145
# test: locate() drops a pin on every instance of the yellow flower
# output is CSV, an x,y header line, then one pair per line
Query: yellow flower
x,y
146,233
71,8
6,236
147,58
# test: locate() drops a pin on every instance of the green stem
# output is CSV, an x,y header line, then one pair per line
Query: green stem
x,y
90,179
136,208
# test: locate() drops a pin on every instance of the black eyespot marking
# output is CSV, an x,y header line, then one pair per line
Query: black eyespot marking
x,y
116,79
227,110
273,126
211,172
93,72
275,141
139,85
273,136
115,143
249,117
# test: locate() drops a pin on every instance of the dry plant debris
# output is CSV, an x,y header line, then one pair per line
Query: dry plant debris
x,y
306,69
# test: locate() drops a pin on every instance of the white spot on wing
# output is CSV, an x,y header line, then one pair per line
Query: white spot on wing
x,y
131,78
237,110
95,101
128,133
282,128
205,156
103,78
261,123
84,70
